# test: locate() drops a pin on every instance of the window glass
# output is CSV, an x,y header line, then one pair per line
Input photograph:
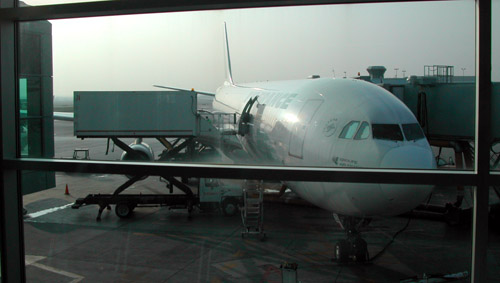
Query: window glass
x,y
493,254
125,54
363,132
495,84
349,130
387,132
121,55
61,242
413,132
112,63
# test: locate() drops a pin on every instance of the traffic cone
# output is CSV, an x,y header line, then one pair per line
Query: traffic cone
x,y
66,192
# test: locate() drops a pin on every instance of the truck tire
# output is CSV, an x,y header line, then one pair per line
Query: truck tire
x,y
229,206
124,210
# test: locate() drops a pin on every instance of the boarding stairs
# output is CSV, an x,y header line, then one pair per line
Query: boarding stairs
x,y
252,212
494,159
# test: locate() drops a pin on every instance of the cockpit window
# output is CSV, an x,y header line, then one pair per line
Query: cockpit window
x,y
363,132
349,130
413,132
390,132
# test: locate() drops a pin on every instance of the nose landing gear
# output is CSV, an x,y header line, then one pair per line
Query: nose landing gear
x,y
354,248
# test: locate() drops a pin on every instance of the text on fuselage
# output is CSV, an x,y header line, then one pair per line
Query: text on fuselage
x,y
275,99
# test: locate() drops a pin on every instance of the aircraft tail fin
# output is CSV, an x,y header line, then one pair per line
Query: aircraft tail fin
x,y
229,74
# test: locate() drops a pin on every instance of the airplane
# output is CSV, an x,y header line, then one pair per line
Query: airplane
x,y
330,122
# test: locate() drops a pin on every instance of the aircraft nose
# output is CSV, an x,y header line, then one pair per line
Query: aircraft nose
x,y
409,157
403,198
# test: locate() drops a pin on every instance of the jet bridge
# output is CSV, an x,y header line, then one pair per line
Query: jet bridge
x,y
149,114
171,117
137,114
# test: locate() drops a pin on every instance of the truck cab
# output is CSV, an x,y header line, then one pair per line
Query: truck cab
x,y
215,194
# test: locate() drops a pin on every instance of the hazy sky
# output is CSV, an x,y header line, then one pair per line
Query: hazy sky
x,y
187,49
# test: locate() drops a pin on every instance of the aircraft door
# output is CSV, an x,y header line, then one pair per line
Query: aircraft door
x,y
299,129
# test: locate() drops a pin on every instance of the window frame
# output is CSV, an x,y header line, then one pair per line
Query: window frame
x,y
406,135
11,224
360,138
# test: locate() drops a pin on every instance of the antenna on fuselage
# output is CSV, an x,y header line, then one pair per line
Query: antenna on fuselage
x,y
229,74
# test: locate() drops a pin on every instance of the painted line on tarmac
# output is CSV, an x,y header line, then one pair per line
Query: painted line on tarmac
x,y
32,260
47,211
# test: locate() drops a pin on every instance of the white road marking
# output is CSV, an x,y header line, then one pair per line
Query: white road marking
x,y
47,211
32,260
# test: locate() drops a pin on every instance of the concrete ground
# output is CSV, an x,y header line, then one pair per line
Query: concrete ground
x,y
162,245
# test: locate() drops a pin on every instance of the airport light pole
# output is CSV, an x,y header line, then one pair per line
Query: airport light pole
x,y
396,69
463,72
404,73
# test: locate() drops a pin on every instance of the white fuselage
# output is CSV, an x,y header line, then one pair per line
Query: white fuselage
x,y
301,123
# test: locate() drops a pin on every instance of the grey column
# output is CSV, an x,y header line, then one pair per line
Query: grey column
x,y
483,139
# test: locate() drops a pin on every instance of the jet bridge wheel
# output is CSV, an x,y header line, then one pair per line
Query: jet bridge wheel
x,y
124,209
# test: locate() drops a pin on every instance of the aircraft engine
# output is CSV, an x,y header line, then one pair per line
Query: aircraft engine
x,y
143,149
145,153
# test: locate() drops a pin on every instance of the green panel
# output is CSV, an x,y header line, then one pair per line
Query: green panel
x,y
36,101
23,97
35,181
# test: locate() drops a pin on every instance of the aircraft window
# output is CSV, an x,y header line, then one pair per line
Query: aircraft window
x,y
387,132
413,132
349,130
363,132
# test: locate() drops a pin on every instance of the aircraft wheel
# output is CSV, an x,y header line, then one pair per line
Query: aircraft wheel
x,y
124,210
229,206
342,251
360,250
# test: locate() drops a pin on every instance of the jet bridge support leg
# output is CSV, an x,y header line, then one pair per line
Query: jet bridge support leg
x,y
171,153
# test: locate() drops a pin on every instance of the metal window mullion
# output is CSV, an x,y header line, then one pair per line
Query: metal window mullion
x,y
123,7
483,140
11,225
352,175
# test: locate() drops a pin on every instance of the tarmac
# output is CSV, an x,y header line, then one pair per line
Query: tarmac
x,y
161,245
